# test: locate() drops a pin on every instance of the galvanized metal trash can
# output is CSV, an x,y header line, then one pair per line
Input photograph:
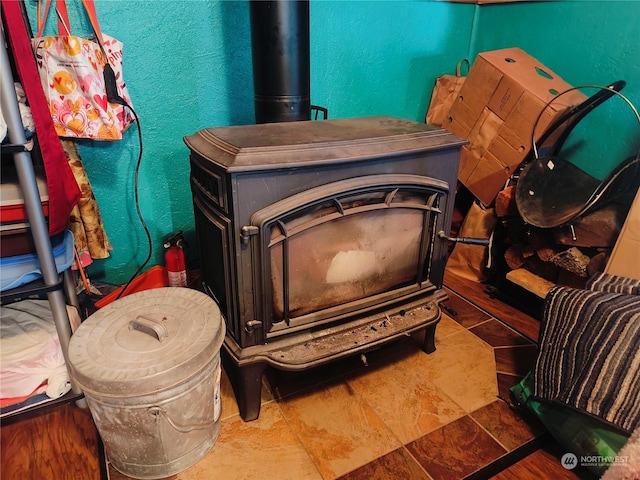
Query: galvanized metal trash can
x,y
149,365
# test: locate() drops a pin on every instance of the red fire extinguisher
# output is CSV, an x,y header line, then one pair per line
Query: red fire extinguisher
x,y
175,260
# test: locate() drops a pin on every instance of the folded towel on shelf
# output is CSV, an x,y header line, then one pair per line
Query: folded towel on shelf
x,y
30,352
58,382
8,403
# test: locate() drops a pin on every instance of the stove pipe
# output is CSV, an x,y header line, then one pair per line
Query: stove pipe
x,y
281,67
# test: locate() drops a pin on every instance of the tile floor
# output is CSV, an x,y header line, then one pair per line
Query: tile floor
x,y
404,415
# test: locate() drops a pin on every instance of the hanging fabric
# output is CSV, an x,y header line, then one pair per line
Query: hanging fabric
x,y
90,237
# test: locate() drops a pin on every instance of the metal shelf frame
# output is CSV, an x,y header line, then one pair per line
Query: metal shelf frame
x,y
58,292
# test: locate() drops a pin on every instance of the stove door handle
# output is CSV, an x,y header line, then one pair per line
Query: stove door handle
x,y
466,240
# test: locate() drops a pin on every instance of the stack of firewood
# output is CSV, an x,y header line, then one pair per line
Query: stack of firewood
x,y
539,258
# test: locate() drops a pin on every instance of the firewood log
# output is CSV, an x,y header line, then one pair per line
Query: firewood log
x,y
505,203
597,263
530,281
516,255
572,260
597,229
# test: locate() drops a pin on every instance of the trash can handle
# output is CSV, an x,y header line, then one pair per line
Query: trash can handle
x,y
156,411
155,328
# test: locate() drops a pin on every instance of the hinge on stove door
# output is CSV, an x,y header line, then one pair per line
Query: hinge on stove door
x,y
247,231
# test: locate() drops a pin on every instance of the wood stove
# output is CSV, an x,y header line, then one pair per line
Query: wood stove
x,y
320,239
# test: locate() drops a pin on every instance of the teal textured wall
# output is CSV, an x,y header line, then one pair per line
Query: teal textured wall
x,y
381,57
188,66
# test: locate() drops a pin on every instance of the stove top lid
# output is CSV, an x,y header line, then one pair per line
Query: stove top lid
x,y
273,145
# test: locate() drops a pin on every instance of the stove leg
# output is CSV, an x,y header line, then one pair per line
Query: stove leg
x,y
429,343
246,381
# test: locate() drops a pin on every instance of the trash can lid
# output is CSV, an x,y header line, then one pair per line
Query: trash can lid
x,y
146,342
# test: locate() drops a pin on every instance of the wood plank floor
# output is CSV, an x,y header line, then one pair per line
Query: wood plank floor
x,y
58,444
543,464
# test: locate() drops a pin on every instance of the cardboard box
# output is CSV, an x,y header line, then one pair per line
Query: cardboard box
x,y
625,257
496,110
